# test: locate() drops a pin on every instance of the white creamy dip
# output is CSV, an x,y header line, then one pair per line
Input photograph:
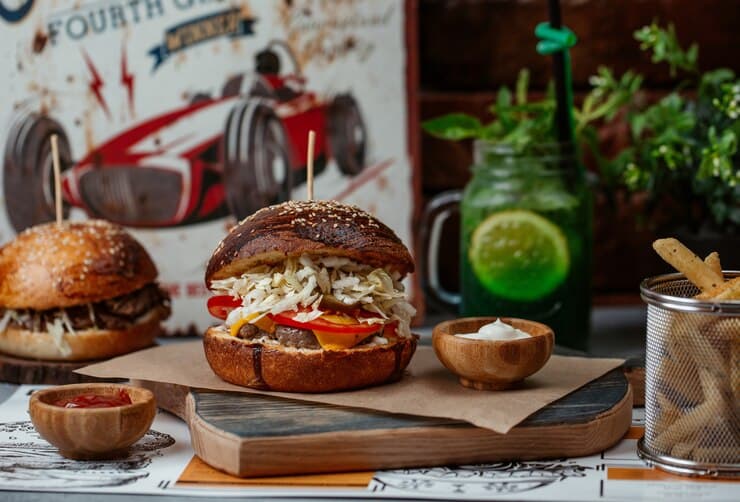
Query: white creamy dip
x,y
498,330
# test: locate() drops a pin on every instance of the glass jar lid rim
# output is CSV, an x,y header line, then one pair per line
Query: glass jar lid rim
x,y
551,156
541,151
507,148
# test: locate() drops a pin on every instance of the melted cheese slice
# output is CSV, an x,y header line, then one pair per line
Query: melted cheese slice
x,y
339,318
338,341
265,324
327,340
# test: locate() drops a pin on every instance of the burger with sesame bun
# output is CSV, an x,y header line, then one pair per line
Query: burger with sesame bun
x,y
78,291
312,300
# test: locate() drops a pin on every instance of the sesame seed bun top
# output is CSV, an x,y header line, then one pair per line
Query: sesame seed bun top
x,y
52,266
318,228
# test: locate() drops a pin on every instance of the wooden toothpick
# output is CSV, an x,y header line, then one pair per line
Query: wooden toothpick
x,y
57,177
309,165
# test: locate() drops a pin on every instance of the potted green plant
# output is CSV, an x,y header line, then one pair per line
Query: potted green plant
x,y
683,149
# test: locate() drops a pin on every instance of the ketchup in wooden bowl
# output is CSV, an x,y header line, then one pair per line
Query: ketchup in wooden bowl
x,y
95,400
92,421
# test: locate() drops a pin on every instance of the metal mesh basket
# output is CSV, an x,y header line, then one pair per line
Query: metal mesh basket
x,y
692,382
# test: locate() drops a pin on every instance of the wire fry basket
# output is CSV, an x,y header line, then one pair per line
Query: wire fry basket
x,y
692,380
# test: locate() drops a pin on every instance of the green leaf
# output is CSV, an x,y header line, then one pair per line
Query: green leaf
x,y
503,102
665,47
455,126
692,55
522,85
711,82
503,98
638,123
492,131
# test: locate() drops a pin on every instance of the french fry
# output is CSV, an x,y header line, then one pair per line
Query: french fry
x,y
727,291
716,363
687,425
682,450
669,412
686,262
712,261
735,369
711,444
679,362
715,454
698,375
711,386
692,338
690,423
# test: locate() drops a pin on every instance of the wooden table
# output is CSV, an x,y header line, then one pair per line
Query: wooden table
x,y
616,332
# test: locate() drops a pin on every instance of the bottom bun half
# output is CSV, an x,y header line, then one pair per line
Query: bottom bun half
x,y
275,367
83,345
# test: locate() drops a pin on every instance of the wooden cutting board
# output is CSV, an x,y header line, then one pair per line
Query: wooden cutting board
x,y
634,370
29,371
251,435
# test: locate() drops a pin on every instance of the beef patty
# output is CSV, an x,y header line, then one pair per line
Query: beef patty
x,y
120,312
288,336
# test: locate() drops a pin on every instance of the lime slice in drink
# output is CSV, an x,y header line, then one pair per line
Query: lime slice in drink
x,y
519,255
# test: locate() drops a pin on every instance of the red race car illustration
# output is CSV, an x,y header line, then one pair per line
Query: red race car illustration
x,y
176,169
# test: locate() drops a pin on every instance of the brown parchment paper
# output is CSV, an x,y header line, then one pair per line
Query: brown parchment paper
x,y
427,388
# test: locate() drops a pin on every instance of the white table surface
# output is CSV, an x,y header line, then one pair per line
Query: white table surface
x,y
616,332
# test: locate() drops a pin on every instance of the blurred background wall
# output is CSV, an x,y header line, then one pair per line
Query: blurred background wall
x,y
469,48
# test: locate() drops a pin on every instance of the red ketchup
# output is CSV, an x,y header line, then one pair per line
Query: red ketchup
x,y
95,400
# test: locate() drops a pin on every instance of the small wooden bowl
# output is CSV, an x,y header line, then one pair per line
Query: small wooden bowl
x,y
92,433
492,364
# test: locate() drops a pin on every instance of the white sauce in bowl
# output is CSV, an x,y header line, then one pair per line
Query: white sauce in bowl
x,y
496,331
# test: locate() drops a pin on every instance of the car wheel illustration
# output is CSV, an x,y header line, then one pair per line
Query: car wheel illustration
x,y
28,174
347,134
257,168
255,86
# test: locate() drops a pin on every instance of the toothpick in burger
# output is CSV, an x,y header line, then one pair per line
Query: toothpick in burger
x,y
312,300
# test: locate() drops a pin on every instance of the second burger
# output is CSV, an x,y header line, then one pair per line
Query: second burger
x,y
312,300
78,291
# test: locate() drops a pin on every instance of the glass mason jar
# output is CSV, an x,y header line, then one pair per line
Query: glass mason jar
x,y
526,239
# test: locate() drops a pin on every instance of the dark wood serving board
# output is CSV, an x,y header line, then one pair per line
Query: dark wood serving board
x,y
251,435
30,371
634,370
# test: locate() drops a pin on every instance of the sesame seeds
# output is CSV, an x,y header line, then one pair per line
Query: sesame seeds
x,y
320,218
70,253
320,227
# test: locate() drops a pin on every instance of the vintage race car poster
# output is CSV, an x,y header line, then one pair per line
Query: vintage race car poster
x,y
176,118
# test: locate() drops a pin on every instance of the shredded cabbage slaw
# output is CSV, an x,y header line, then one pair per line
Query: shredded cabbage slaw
x,y
301,283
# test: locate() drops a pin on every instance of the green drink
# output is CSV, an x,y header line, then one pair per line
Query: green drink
x,y
526,240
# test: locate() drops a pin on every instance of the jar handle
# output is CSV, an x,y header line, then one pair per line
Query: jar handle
x,y
436,212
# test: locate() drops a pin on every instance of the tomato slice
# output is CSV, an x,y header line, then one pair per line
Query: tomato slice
x,y
343,325
220,306
390,330
340,323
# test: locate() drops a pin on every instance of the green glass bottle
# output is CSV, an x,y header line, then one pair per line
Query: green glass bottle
x,y
526,239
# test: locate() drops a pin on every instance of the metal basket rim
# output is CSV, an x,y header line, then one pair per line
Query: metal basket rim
x,y
685,467
682,304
